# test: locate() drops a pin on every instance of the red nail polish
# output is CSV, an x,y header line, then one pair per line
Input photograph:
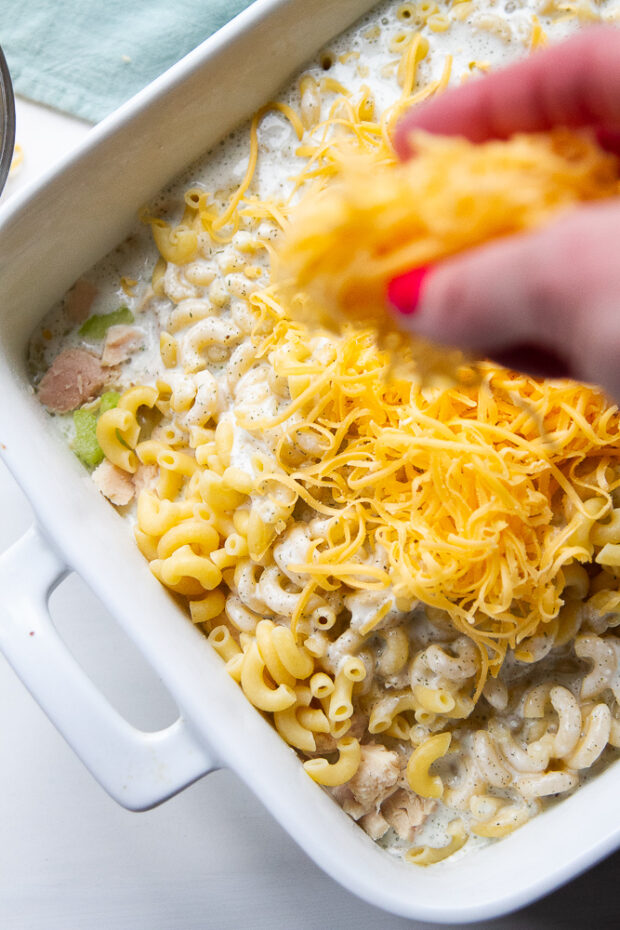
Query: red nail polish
x,y
405,292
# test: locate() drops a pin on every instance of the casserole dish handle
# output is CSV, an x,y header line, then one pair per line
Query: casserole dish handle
x,y
138,769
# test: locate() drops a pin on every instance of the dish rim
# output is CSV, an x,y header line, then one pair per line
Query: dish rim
x,y
84,506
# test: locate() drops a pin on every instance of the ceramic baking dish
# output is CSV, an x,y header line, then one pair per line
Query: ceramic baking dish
x,y
48,236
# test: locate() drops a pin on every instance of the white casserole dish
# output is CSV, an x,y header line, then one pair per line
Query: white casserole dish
x,y
48,236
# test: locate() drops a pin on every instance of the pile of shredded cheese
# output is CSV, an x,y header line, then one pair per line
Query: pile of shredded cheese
x,y
480,496
477,491
374,221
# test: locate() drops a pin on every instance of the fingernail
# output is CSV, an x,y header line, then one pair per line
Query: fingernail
x,y
405,292
533,360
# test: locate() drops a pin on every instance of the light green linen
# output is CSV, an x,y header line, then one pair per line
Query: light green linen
x,y
86,57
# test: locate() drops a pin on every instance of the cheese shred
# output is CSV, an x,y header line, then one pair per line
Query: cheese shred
x,y
373,221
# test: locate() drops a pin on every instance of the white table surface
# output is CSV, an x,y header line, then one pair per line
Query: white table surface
x,y
209,859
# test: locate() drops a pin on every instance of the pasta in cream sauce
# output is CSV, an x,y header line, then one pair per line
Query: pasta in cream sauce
x,y
271,472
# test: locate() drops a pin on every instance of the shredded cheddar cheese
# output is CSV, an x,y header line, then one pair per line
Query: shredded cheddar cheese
x,y
477,497
375,221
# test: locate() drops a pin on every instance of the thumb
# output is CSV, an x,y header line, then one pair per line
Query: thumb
x,y
549,295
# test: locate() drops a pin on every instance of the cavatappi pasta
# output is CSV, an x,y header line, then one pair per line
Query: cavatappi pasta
x,y
416,583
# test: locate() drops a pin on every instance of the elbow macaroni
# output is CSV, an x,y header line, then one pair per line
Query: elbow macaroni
x,y
418,775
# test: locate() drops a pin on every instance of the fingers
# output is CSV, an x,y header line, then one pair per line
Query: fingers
x,y
575,83
544,295
540,302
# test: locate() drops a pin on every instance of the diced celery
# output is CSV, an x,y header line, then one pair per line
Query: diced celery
x,y
95,327
109,399
85,444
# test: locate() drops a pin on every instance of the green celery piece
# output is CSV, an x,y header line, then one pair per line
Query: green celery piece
x,y
85,444
109,399
95,327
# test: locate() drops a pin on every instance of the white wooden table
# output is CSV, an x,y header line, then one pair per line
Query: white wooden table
x,y
71,859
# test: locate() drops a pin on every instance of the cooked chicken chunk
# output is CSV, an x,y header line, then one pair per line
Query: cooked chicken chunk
x,y
74,377
114,483
80,299
405,812
376,776
121,342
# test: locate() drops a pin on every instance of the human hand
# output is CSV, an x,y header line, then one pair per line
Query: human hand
x,y
547,302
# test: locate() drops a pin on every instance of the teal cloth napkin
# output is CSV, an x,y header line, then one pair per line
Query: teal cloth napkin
x,y
86,57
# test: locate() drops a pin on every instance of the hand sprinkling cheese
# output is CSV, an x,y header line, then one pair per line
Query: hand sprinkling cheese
x,y
555,289
376,221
